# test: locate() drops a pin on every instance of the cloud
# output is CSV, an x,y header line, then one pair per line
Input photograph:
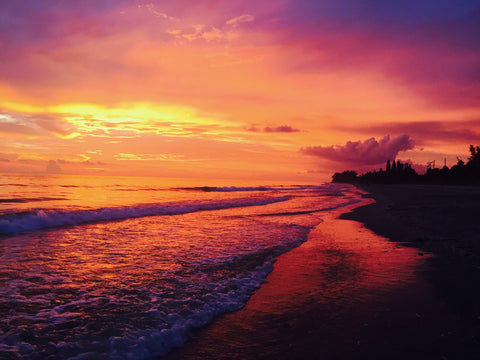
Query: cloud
x,y
34,124
207,33
146,157
281,128
236,21
428,46
151,8
274,129
368,152
81,162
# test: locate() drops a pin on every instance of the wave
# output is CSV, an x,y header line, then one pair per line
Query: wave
x,y
20,185
248,188
43,219
305,212
27,200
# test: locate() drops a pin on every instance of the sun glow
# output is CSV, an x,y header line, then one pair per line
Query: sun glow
x,y
220,87
134,111
132,118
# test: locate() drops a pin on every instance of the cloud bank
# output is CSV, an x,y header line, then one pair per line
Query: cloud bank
x,y
368,152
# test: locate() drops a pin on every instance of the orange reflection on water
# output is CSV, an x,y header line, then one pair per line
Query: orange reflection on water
x,y
77,192
320,299
341,264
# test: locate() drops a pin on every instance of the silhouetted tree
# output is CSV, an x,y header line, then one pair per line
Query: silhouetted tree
x,y
345,177
474,159
399,166
397,172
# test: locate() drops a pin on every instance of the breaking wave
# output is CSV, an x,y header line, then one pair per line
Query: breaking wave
x,y
321,188
43,219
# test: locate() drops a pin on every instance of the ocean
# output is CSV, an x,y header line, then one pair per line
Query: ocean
x,y
130,268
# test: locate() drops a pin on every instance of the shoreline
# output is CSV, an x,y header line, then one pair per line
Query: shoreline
x,y
440,220
347,293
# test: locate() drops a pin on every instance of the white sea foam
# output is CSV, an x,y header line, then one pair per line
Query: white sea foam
x,y
258,188
137,289
43,219
254,188
151,343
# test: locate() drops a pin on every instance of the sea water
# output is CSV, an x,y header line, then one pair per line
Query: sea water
x,y
129,268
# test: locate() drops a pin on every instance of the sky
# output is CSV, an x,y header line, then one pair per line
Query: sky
x,y
268,90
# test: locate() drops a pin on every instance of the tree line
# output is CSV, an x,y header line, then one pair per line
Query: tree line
x,y
397,172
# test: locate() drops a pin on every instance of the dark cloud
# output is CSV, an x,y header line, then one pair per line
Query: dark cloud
x,y
274,129
281,128
368,152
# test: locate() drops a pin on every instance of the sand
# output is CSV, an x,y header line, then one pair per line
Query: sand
x,y
349,293
442,221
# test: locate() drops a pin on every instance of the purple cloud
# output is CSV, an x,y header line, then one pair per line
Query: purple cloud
x,y
281,128
368,152
274,129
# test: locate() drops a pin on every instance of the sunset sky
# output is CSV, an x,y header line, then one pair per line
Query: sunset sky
x,y
267,90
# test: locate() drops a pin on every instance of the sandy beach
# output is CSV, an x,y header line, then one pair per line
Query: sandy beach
x,y
394,279
442,221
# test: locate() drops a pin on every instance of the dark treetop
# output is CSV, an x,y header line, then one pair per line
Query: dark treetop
x,y
397,172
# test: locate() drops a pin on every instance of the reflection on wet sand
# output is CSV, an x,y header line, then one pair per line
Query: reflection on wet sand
x,y
341,294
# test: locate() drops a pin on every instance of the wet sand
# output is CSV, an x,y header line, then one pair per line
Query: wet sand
x,y
442,221
348,293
